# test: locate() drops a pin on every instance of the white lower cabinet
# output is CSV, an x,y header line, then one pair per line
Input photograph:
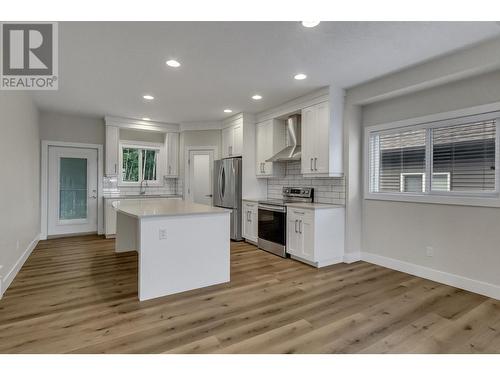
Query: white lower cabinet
x,y
250,221
316,236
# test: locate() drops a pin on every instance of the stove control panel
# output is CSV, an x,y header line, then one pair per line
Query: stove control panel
x,y
298,192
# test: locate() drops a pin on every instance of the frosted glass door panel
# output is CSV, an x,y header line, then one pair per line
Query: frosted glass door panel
x,y
73,189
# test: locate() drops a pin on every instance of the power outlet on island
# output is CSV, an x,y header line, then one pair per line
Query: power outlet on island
x,y
429,251
163,234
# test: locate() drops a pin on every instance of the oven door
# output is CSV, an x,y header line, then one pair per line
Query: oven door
x,y
272,229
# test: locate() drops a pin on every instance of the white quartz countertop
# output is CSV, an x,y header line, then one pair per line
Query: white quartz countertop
x,y
253,199
313,206
164,207
138,196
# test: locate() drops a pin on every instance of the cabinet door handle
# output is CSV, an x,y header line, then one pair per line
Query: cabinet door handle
x,y
169,169
115,167
230,150
296,221
315,161
300,226
311,164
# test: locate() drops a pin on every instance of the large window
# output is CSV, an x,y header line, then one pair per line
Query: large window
x,y
460,156
139,163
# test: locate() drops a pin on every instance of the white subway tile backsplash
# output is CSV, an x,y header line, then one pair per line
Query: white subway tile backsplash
x,y
170,186
326,190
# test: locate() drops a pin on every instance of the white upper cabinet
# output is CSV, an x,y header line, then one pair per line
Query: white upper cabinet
x,y
321,146
232,139
172,155
237,139
270,139
112,140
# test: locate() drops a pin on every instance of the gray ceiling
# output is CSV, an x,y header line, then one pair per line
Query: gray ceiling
x,y
106,67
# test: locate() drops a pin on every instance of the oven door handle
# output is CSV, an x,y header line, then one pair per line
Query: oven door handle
x,y
272,208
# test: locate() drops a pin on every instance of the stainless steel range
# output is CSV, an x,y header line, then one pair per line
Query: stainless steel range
x,y
272,218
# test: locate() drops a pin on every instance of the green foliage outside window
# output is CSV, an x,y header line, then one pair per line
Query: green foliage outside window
x,y
130,165
133,158
149,165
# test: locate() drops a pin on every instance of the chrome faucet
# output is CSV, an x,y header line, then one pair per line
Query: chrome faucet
x,y
141,190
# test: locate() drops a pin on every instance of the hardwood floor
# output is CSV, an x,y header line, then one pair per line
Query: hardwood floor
x,y
75,295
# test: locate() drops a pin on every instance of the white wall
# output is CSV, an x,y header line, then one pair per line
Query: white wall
x,y
71,128
465,239
19,198
465,93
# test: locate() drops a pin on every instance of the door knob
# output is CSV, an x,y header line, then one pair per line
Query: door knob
x,y
209,195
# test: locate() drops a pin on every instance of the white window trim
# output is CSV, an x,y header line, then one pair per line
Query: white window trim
x,y
487,199
403,176
143,146
448,181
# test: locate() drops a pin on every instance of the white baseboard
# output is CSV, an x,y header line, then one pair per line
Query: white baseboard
x,y
352,257
9,276
476,286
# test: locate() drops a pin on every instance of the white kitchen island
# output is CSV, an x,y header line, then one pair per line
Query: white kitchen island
x,y
181,245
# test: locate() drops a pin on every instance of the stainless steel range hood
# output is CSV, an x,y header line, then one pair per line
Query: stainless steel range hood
x,y
293,149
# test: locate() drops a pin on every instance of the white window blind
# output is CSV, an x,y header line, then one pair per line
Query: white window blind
x,y
397,161
461,158
466,153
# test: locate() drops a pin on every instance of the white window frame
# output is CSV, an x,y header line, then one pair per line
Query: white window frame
x,y
448,180
486,199
142,146
403,176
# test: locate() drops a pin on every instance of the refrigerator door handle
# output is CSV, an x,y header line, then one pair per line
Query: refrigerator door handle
x,y
223,182
219,179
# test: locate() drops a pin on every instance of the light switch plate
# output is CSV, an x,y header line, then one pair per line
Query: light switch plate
x,y
163,234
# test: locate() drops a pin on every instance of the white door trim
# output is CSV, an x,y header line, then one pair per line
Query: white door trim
x,y
44,193
187,150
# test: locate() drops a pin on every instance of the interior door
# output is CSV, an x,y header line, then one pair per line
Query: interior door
x,y
72,190
200,176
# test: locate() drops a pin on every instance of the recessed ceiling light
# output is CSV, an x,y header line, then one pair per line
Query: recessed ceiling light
x,y
310,23
148,97
146,119
300,76
228,110
173,63
256,97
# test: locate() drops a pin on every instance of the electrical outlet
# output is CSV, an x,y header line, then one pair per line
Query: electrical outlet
x,y
163,234
429,251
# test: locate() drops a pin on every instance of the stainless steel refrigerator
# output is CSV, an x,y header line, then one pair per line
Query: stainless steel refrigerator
x,y
227,191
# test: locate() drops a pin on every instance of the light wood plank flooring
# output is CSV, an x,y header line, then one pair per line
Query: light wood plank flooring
x,y
75,295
